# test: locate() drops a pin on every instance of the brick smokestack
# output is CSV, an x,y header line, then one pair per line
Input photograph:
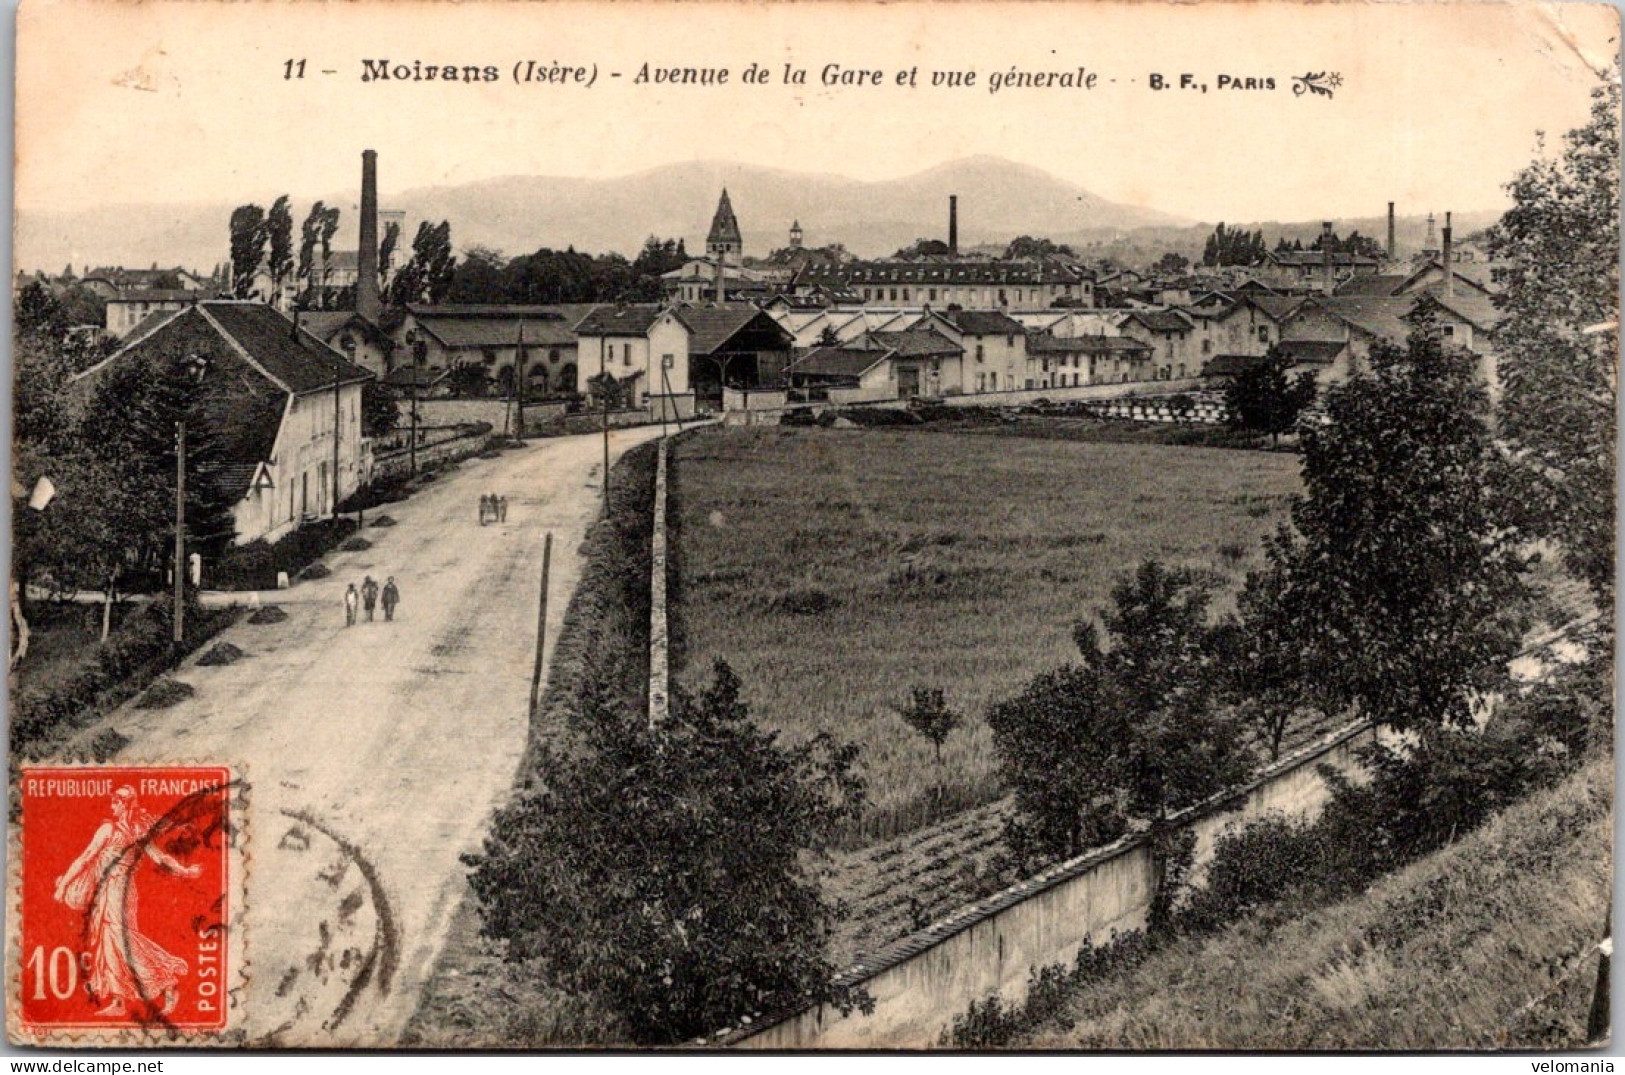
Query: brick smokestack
x,y
953,225
367,301
1391,247
1449,268
1328,283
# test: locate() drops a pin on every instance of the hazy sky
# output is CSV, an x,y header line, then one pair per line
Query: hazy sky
x,y
1438,104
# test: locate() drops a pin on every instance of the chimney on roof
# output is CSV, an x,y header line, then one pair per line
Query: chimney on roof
x,y
1391,248
1432,246
953,225
1449,269
1327,280
367,302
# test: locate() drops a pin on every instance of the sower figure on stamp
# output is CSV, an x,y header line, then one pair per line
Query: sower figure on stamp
x,y
369,596
392,597
127,968
351,599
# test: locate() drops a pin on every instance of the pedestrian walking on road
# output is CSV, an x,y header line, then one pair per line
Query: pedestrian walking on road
x,y
351,599
485,507
502,509
369,596
392,597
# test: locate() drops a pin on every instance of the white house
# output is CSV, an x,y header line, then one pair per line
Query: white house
x,y
283,408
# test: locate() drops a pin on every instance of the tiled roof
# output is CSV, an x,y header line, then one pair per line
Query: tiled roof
x,y
1472,306
1300,258
612,320
915,343
1160,320
1316,352
981,322
984,273
1380,317
407,376
166,294
1378,285
712,327
299,364
837,362
465,333
1040,343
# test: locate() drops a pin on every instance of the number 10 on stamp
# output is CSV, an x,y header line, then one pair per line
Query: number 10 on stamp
x,y
123,915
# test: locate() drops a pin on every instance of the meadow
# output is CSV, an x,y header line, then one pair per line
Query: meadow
x,y
834,569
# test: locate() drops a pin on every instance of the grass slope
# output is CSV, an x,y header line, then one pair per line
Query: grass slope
x,y
834,569
1483,945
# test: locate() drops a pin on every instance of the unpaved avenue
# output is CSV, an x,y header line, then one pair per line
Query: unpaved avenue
x,y
376,754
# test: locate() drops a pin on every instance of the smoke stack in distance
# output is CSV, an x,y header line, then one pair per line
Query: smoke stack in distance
x,y
953,225
1391,248
1327,280
1449,267
367,301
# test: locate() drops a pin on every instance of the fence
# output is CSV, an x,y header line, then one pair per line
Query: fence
x,y
458,446
921,982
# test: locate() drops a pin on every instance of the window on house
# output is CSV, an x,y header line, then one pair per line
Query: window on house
x,y
980,352
1207,347
905,294
1263,334
1447,331
553,355
933,294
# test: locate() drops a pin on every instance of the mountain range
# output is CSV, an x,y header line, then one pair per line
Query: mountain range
x,y
998,200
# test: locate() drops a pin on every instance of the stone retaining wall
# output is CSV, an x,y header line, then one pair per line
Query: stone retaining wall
x,y
921,982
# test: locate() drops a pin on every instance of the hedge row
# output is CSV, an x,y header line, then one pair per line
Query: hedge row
x,y
604,640
255,566
131,658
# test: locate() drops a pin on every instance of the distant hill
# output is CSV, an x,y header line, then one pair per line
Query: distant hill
x,y
998,200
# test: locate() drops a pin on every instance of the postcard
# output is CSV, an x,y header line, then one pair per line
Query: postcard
x,y
813,526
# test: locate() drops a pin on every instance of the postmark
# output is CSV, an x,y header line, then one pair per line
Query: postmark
x,y
126,899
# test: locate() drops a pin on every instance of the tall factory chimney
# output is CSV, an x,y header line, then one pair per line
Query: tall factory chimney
x,y
1328,283
953,225
1449,268
367,301
1391,247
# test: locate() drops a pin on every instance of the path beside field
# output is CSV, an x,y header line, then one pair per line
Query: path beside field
x,y
376,754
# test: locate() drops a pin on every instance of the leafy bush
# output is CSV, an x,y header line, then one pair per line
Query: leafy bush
x,y
355,544
138,650
221,653
255,566
165,693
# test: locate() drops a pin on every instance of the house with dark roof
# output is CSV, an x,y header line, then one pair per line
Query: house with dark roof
x,y
644,347
1465,318
126,309
451,336
993,343
1073,361
1305,270
283,407
353,336
1171,336
915,362
968,283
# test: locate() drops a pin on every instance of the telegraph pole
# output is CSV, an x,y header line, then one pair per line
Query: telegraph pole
x,y
178,620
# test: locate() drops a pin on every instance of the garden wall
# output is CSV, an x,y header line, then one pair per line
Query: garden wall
x,y
399,461
921,982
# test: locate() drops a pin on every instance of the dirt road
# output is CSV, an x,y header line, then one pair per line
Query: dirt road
x,y
375,754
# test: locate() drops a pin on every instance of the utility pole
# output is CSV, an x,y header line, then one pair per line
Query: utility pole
x,y
178,620
414,343
338,420
603,388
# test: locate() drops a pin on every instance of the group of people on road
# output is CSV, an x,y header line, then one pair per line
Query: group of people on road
x,y
493,508
369,597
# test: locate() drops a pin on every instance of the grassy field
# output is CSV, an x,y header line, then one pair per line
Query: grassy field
x,y
1487,944
835,569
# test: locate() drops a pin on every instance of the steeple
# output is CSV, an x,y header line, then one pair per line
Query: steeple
x,y
724,243
795,234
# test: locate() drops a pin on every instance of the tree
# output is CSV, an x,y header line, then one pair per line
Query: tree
x,y
480,277
387,245
1172,264
1560,246
431,272
665,871
279,232
379,414
1026,246
1265,398
309,237
929,714
1133,731
326,228
923,248
1399,561
1230,247
248,236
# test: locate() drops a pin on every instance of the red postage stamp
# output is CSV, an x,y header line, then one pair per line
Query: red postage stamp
x,y
123,911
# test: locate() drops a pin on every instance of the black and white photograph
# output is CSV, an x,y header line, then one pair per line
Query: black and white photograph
x,y
990,527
